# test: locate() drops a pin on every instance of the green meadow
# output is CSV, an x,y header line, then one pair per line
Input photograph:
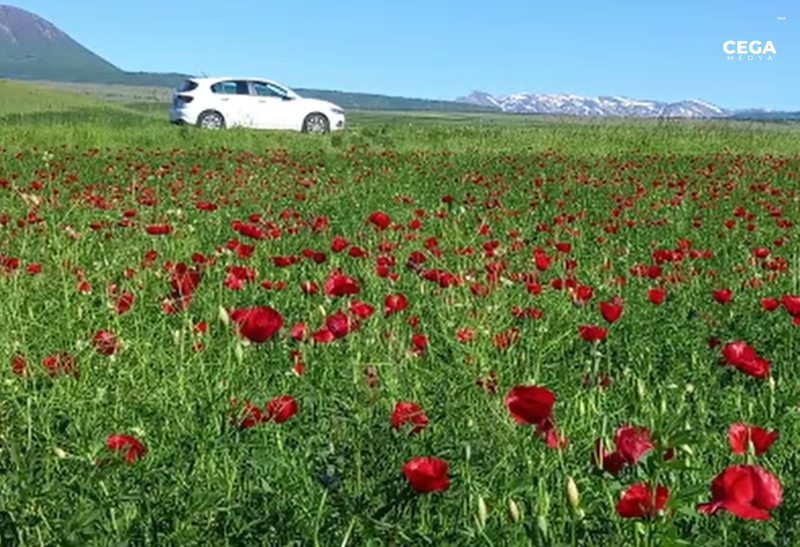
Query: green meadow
x,y
430,329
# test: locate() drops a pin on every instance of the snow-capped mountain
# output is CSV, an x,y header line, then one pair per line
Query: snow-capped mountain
x,y
577,105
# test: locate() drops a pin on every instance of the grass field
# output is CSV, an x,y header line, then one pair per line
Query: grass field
x,y
422,331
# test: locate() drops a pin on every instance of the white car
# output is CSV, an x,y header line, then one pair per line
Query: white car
x,y
216,103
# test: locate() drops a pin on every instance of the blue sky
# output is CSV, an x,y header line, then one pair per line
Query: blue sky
x,y
442,49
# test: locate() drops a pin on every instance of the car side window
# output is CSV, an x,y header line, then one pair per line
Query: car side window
x,y
265,89
231,87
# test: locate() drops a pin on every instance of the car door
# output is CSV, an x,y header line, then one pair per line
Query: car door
x,y
272,106
231,99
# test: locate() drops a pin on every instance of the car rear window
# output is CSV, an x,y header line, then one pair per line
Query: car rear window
x,y
188,85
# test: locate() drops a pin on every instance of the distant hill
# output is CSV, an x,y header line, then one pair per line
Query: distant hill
x,y
32,48
766,115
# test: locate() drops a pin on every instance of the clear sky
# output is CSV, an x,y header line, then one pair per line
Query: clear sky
x,y
442,49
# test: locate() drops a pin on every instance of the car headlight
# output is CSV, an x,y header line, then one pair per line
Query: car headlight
x,y
336,110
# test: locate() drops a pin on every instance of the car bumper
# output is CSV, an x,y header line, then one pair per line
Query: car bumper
x,y
182,116
337,122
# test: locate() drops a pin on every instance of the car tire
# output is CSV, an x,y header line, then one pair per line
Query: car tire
x,y
316,123
211,119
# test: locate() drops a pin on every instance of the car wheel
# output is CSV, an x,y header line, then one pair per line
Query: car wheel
x,y
316,123
211,120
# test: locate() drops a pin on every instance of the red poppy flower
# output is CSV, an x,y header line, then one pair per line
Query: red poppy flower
x,y
427,474
740,355
613,462
124,302
339,284
338,244
610,311
592,333
309,287
740,435
465,334
244,250
722,296
506,338
531,405
379,219
184,280
409,412
641,500
105,342
542,262
339,324
280,408
632,442
133,448
747,491
298,331
792,304
394,303
60,363
656,295
250,415
583,293
553,438
158,229
418,343
18,365
361,309
770,304
563,246
257,324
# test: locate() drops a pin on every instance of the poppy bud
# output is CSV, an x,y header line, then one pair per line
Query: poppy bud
x,y
771,382
239,353
513,511
176,337
223,316
541,523
483,511
60,453
572,493
641,388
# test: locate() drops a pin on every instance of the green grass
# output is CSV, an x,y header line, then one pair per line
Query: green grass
x,y
34,115
80,181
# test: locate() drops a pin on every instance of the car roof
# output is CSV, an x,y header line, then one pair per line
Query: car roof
x,y
215,79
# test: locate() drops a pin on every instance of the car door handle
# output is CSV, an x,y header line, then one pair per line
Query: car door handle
x,y
262,101
224,99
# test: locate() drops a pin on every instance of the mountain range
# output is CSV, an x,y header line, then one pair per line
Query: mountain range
x,y
578,105
32,48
